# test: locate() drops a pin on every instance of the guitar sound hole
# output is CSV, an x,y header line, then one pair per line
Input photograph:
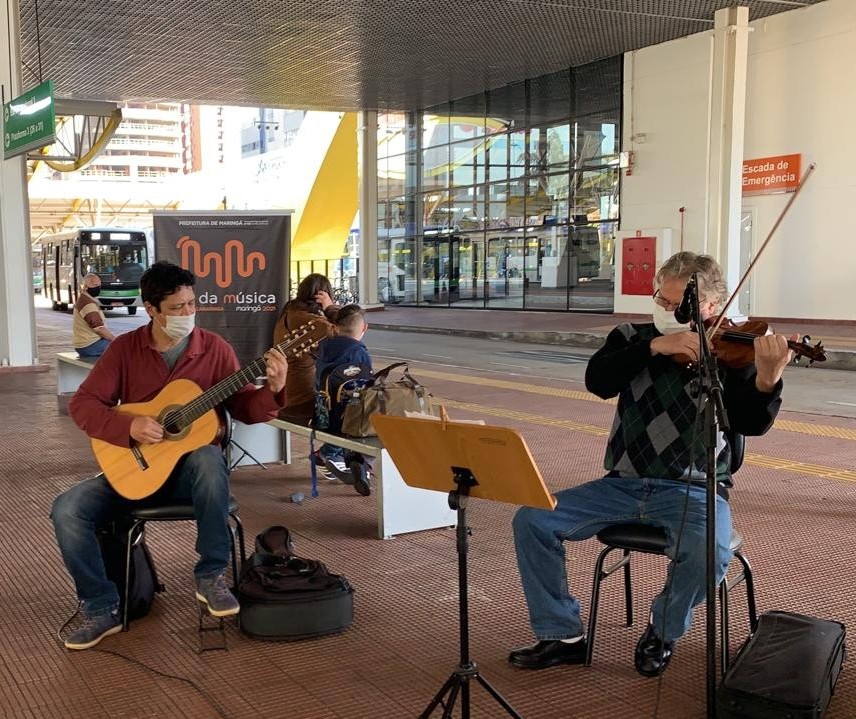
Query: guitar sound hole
x,y
171,425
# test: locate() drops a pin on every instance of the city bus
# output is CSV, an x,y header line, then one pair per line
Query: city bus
x,y
118,256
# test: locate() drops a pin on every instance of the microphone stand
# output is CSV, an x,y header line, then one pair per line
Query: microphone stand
x,y
715,417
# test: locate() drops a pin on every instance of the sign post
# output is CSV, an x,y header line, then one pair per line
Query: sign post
x,y
29,121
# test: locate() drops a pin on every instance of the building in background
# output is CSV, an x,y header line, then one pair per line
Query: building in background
x,y
266,130
152,142
506,199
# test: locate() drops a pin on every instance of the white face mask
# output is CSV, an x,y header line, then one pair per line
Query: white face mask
x,y
179,326
665,322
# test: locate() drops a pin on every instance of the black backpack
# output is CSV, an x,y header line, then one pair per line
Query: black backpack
x,y
338,385
143,576
284,596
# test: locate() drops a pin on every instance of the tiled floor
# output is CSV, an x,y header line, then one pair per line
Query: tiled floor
x,y
798,525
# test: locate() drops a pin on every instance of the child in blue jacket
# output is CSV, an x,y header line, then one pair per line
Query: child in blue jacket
x,y
344,347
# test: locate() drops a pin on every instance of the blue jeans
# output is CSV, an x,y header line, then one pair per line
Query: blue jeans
x,y
78,513
331,452
581,512
96,349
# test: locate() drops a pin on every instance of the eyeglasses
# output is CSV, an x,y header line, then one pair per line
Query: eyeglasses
x,y
670,306
664,303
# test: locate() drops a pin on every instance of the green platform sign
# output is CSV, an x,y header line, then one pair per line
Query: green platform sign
x,y
29,121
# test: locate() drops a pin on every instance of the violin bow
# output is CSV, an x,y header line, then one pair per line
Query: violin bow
x,y
713,330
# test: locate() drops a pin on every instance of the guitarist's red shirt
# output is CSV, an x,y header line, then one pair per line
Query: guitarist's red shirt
x,y
132,370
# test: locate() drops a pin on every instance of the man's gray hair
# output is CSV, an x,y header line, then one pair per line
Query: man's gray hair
x,y
711,284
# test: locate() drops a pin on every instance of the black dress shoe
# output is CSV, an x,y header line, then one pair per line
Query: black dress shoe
x,y
652,655
549,653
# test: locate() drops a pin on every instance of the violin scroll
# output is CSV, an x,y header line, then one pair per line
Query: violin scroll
x,y
804,348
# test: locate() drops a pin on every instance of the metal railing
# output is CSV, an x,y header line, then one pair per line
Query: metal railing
x,y
343,273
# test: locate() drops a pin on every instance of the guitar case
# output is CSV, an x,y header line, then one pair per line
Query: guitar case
x,y
787,669
286,597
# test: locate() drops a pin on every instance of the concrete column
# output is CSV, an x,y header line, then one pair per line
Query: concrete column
x,y
367,148
413,186
725,148
17,317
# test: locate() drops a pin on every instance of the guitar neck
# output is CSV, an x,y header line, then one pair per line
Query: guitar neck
x,y
225,388
221,391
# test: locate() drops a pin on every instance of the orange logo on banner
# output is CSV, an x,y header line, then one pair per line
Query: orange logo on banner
x,y
771,174
191,252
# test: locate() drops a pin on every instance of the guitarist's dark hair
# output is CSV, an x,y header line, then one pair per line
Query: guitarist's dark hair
x,y
162,279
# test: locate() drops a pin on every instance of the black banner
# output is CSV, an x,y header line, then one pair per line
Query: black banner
x,y
240,260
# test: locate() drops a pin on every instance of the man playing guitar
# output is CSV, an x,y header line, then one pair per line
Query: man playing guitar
x,y
134,369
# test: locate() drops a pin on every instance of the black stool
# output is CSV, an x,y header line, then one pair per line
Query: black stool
x,y
176,513
652,540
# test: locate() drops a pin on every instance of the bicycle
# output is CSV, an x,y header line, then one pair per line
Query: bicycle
x,y
343,295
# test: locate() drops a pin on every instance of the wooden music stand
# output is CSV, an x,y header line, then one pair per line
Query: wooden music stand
x,y
465,460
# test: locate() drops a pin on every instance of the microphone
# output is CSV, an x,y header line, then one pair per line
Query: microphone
x,y
684,313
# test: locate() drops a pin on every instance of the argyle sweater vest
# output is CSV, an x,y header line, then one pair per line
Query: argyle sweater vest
x,y
657,431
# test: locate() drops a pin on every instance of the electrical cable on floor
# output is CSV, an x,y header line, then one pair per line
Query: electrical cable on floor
x,y
693,441
202,692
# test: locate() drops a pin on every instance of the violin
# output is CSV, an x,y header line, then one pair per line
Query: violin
x,y
733,344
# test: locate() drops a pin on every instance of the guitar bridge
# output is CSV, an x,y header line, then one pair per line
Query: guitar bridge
x,y
138,455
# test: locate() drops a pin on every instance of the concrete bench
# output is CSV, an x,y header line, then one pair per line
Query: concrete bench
x,y
400,508
71,370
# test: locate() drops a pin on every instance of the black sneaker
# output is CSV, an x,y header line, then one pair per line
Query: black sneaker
x,y
360,477
321,467
339,470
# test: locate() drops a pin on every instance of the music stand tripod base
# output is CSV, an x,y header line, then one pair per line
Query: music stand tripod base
x,y
244,453
485,462
458,683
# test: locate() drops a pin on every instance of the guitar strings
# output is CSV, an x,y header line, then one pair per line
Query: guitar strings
x,y
224,389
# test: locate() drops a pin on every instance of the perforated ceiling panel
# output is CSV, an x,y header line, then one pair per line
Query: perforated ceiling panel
x,y
338,54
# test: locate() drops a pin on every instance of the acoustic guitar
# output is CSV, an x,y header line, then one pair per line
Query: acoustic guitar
x,y
190,421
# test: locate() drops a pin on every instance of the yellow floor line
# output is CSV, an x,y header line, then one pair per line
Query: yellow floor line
x,y
817,430
523,416
516,386
784,425
787,465
760,460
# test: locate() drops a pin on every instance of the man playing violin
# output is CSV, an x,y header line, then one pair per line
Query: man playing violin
x,y
656,464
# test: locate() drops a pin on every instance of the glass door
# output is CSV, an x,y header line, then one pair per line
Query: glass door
x,y
504,275
470,259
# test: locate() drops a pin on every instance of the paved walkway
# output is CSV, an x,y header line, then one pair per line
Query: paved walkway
x,y
578,329
795,504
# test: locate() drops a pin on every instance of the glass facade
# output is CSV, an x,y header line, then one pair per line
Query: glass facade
x,y
507,199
